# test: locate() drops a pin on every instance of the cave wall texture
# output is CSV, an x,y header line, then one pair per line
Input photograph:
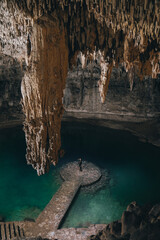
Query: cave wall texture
x,y
82,94
10,85
102,48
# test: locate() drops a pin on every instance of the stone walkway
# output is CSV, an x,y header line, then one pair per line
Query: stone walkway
x,y
47,223
49,220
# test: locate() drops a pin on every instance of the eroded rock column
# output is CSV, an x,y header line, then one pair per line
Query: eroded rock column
x,y
42,92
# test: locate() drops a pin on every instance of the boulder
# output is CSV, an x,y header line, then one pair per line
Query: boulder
x,y
115,228
93,237
109,237
134,207
125,237
154,214
148,232
130,222
131,206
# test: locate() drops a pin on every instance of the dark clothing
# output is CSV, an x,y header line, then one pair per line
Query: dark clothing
x,y
80,164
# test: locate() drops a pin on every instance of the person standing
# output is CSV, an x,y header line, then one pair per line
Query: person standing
x,y
80,164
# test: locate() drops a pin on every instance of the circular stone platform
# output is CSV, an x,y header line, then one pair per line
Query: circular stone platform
x,y
89,174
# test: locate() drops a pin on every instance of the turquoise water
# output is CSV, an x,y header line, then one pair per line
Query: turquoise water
x,y
133,168
134,171
22,193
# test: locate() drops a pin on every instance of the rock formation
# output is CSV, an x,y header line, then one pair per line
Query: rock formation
x,y
42,92
46,37
136,223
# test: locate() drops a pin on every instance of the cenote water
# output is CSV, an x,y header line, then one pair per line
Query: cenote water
x,y
133,167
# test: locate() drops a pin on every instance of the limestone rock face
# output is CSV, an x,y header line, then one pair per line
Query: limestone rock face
x,y
10,81
42,92
82,94
15,27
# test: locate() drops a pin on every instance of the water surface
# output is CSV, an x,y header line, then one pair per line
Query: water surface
x,y
133,167
134,170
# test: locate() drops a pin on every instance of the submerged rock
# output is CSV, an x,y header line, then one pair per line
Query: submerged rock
x,y
115,228
2,218
130,222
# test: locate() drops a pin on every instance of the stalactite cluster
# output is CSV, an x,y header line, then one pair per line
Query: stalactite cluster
x,y
126,31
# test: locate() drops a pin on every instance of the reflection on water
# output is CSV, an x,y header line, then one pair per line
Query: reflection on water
x,y
133,167
109,32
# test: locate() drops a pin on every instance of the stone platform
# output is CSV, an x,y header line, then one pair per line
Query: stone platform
x,y
89,174
48,222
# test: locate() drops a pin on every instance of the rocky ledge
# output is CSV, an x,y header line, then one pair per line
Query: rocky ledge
x,y
137,223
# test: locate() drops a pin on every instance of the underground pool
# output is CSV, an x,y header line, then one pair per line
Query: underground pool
x,y
130,169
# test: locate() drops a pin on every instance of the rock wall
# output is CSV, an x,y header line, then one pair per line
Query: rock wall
x,y
113,32
82,94
15,27
10,94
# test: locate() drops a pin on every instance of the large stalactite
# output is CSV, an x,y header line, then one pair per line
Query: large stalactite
x,y
42,92
113,32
